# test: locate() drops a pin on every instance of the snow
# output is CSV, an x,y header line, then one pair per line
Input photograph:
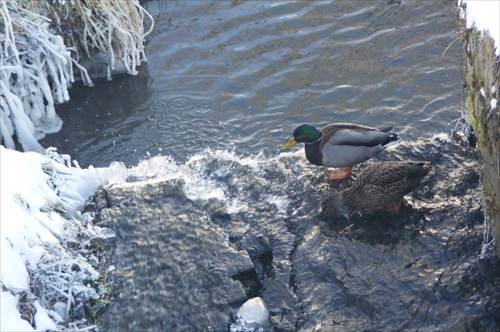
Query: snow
x,y
41,196
485,16
493,103
483,92
254,311
11,318
42,320
253,315
59,310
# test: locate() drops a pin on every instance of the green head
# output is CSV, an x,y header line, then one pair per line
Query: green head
x,y
303,133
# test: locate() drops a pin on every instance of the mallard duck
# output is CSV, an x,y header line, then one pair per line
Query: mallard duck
x,y
380,186
341,145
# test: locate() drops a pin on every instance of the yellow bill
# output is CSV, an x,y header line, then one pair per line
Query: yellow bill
x,y
290,143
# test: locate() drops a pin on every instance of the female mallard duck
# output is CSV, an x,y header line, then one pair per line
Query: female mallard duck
x,y
342,144
380,186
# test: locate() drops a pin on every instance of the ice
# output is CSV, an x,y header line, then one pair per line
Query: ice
x,y
252,316
41,195
254,311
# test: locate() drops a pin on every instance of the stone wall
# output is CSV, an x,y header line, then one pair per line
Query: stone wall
x,y
482,74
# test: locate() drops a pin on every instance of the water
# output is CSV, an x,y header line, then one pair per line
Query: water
x,y
242,75
214,215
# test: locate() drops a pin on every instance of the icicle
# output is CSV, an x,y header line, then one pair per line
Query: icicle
x,y
7,132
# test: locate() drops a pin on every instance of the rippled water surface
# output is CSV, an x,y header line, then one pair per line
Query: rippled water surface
x,y
214,215
244,74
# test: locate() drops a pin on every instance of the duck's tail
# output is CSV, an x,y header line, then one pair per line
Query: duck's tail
x,y
393,139
418,169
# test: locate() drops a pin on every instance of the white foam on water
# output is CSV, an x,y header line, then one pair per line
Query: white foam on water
x,y
163,168
204,181
443,137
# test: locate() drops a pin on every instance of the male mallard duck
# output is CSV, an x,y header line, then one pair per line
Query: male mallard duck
x,y
380,186
342,144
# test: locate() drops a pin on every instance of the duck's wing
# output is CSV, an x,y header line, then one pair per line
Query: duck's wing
x,y
353,135
396,177
389,172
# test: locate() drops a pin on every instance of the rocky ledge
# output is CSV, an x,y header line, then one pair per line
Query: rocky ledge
x,y
482,75
183,264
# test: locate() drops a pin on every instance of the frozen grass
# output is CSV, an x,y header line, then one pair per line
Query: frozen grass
x,y
41,44
49,260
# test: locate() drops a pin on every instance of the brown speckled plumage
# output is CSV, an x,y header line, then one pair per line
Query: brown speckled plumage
x,y
380,184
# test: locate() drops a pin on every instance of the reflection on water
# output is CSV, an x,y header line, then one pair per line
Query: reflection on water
x,y
244,74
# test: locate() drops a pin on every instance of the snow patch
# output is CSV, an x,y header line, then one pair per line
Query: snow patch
x,y
42,320
11,318
483,92
41,196
484,16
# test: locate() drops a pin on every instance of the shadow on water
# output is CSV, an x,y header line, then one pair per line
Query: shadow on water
x,y
378,227
105,120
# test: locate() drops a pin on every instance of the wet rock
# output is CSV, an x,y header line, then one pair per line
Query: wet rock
x,y
173,267
256,244
190,264
283,305
373,271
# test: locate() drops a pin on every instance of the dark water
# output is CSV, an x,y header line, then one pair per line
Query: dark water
x,y
243,75
225,85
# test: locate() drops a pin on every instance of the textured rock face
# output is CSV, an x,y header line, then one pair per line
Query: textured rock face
x,y
482,70
187,264
174,268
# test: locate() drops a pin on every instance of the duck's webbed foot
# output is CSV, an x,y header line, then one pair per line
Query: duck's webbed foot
x,y
340,173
